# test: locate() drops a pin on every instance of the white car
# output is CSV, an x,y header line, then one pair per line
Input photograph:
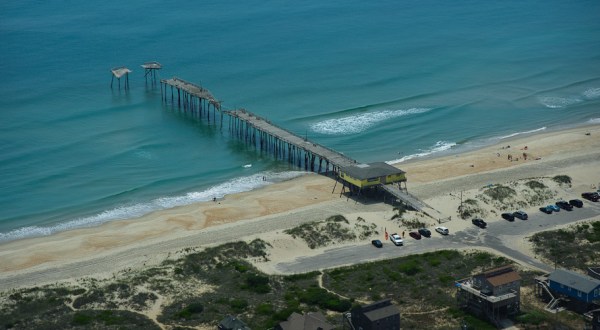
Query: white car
x,y
442,230
396,239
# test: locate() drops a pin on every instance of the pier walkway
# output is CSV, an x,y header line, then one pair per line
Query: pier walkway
x,y
265,135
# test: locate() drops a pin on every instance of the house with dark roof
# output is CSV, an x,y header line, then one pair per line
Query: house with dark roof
x,y
494,294
367,175
308,321
232,323
380,315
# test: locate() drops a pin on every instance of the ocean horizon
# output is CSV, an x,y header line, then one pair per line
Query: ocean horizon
x,y
385,81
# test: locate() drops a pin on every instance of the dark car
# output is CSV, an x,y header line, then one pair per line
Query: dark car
x,y
425,232
546,209
592,196
508,216
564,205
576,203
415,234
479,223
521,215
377,243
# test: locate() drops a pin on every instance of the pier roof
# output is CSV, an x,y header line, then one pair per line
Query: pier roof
x,y
120,71
371,170
152,65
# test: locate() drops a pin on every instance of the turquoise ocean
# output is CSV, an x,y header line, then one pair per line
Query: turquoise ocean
x,y
379,81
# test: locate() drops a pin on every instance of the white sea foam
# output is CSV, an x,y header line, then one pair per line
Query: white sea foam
x,y
594,121
554,102
521,133
437,147
592,93
360,122
233,186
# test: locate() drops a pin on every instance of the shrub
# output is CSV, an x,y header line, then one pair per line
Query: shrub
x,y
500,193
562,179
257,283
535,185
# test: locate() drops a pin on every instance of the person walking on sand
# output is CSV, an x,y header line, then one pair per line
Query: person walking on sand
x,y
402,234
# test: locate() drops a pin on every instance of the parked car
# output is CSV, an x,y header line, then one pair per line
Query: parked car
x,y
521,215
396,239
508,216
415,234
546,209
479,222
425,232
592,196
554,207
442,230
564,205
576,202
377,243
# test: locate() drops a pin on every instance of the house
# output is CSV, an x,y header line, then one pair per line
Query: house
x,y
232,323
308,321
380,315
494,294
362,176
574,285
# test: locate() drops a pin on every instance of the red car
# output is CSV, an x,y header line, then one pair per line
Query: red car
x,y
415,234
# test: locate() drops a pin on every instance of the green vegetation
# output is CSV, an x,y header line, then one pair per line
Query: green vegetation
x,y
563,180
563,246
202,287
500,193
237,288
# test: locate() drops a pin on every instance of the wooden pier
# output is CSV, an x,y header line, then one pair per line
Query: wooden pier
x,y
267,137
191,97
285,145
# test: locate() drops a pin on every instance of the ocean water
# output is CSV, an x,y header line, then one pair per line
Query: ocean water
x,y
381,81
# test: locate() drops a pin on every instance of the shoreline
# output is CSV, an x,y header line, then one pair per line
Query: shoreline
x,y
460,150
161,234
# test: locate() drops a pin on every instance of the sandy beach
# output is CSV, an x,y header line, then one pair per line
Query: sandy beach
x,y
265,213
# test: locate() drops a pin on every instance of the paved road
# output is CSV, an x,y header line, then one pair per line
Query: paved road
x,y
497,236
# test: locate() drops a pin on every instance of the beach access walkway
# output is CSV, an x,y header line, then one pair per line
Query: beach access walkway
x,y
413,202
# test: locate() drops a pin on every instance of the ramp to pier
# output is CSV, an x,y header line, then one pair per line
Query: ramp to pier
x,y
413,201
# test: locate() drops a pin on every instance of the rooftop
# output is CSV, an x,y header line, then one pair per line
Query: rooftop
x,y
152,65
120,71
501,275
371,170
574,280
